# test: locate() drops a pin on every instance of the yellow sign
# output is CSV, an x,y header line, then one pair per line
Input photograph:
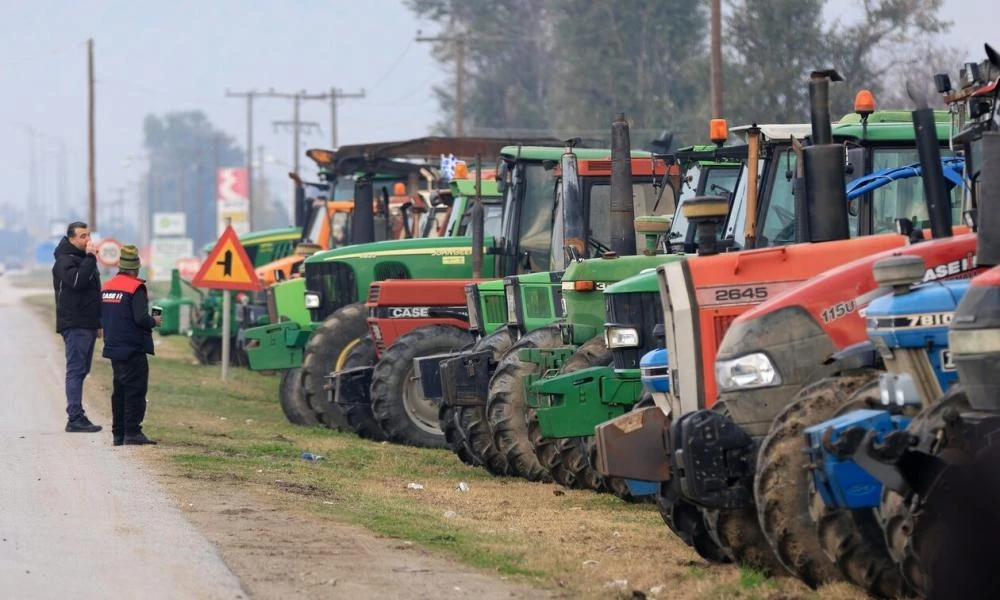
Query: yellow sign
x,y
227,267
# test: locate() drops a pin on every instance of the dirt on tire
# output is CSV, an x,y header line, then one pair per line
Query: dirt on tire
x,y
326,346
293,402
507,407
400,408
781,485
467,430
853,539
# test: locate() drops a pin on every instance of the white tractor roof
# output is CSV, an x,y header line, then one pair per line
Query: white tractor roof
x,y
777,131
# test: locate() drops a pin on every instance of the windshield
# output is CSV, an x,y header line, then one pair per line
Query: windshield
x,y
779,222
315,229
904,198
643,199
344,189
341,226
535,215
492,220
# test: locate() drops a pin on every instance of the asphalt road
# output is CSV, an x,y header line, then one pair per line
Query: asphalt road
x,y
79,518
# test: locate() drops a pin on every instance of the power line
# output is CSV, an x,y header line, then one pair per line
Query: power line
x,y
392,67
459,42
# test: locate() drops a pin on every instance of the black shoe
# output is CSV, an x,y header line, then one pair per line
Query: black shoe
x,y
82,424
138,439
118,441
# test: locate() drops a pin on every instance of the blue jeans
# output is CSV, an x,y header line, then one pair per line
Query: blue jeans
x,y
79,356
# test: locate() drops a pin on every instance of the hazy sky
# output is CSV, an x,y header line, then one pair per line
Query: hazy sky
x,y
155,57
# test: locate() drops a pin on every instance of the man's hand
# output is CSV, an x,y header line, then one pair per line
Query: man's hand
x,y
100,333
158,320
91,248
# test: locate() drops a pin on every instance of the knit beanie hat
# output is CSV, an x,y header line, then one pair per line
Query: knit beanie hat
x,y
129,258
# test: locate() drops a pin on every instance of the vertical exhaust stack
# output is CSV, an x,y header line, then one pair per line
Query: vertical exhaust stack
x,y
935,190
478,223
300,202
363,219
622,209
988,216
823,165
571,205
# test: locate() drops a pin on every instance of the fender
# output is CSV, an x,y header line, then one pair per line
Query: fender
x,y
855,356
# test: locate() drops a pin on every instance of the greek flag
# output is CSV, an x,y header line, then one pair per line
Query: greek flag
x,y
448,164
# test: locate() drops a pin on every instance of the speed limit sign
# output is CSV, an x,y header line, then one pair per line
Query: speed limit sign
x,y
108,252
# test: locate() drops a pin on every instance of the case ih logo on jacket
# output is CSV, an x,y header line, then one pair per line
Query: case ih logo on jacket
x,y
115,297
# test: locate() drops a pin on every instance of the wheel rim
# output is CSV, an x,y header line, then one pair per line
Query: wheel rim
x,y
338,365
422,412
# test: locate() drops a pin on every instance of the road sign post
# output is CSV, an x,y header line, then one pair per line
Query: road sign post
x,y
227,268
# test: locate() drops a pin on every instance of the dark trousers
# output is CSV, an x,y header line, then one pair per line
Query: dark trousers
x,y
79,356
128,400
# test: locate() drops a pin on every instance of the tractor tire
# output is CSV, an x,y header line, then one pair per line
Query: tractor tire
x,y
293,403
781,485
738,532
398,402
853,539
687,522
909,543
507,408
208,351
359,417
327,351
572,466
467,430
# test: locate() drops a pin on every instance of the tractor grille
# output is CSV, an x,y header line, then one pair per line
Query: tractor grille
x,y
373,293
335,284
496,311
721,324
640,310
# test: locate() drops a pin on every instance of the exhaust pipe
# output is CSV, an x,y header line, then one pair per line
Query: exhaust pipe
x,y
363,219
622,210
823,166
478,224
935,190
988,215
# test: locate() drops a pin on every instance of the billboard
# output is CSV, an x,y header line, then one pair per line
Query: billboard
x,y
169,223
166,254
232,199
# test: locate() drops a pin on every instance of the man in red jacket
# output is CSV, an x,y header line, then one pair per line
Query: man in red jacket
x,y
128,338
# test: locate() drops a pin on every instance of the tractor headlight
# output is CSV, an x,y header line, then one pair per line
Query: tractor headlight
x,y
311,300
749,371
621,337
511,296
472,305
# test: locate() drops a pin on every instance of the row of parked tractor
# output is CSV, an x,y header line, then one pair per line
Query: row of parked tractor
x,y
789,343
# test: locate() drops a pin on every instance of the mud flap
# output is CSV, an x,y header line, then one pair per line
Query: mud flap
x,y
465,379
350,386
633,446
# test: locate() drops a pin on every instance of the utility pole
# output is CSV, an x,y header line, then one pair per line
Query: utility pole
x,y
335,95
459,41
716,43
91,152
249,96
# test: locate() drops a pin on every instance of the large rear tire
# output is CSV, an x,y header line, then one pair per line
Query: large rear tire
x,y
293,403
507,406
852,539
326,351
466,427
359,416
781,485
208,350
398,403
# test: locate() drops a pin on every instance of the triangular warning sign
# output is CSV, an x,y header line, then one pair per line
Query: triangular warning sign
x,y
227,267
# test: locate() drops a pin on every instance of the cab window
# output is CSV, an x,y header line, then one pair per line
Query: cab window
x,y
904,198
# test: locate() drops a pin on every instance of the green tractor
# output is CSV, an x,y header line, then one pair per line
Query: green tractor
x,y
319,317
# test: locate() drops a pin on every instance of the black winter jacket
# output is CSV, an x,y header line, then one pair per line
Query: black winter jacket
x,y
77,286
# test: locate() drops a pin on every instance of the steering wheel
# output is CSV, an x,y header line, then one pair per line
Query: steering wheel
x,y
598,246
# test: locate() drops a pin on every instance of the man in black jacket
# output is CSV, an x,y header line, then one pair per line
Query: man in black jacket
x,y
77,286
